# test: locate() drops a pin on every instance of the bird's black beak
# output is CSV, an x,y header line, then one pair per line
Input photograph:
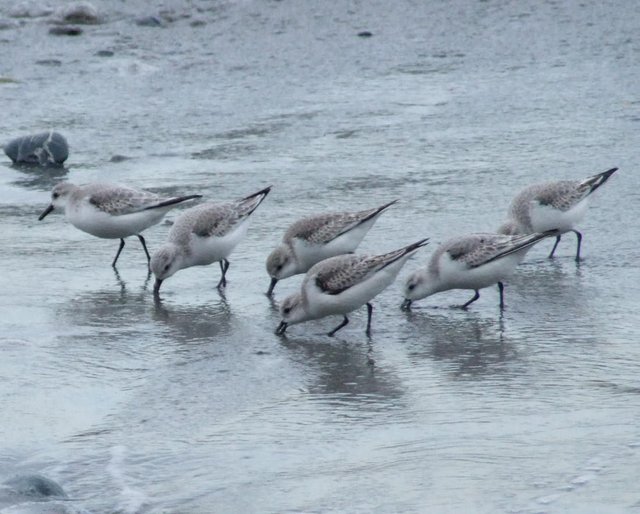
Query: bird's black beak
x,y
272,286
45,212
282,327
406,305
156,287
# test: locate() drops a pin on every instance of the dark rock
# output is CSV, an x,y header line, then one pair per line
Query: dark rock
x,y
119,158
45,149
79,13
198,23
150,21
35,486
105,53
365,33
65,30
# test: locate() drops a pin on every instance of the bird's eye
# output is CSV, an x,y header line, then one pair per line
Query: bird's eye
x,y
412,287
286,310
55,195
279,267
166,268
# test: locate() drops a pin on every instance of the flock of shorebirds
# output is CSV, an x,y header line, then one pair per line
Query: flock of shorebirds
x,y
337,281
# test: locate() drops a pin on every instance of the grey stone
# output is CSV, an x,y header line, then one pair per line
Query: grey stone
x,y
45,149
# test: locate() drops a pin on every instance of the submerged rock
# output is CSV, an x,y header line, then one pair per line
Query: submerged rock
x,y
45,149
35,486
65,30
79,13
119,158
150,21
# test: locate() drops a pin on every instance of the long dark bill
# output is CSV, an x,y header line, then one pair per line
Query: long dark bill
x,y
272,286
156,287
45,212
282,327
406,305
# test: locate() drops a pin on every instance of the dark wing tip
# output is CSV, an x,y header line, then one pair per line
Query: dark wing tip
x,y
399,254
388,204
606,174
262,192
597,180
172,201
417,244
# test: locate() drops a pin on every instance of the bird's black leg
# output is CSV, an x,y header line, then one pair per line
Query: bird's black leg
x,y
224,266
344,322
146,252
369,313
579,236
475,297
118,254
501,289
553,250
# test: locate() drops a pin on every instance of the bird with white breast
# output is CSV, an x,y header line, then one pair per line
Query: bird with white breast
x,y
342,284
111,211
205,234
473,261
558,205
318,237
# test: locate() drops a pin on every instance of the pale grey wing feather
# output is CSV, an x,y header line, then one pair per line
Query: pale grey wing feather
x,y
561,195
118,201
212,219
337,274
215,219
473,249
476,250
324,228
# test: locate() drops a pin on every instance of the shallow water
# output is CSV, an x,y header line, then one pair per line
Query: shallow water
x,y
194,405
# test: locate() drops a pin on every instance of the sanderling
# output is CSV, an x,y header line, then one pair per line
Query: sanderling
x,y
204,234
318,237
474,261
111,211
553,206
341,284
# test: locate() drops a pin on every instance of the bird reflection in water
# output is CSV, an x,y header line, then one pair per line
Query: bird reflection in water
x,y
477,346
